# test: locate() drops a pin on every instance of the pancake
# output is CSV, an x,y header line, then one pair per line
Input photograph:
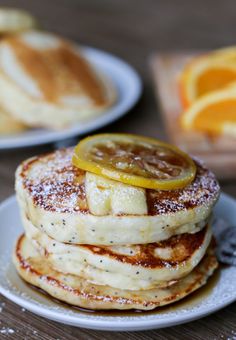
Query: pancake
x,y
13,20
133,267
9,125
52,84
51,193
34,269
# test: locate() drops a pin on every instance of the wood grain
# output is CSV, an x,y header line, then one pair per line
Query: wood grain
x,y
219,153
131,30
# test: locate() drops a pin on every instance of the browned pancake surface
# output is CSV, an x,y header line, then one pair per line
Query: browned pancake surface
x,y
77,291
58,71
180,248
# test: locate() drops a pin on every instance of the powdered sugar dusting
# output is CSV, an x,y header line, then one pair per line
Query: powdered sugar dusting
x,y
7,331
56,185
204,190
2,305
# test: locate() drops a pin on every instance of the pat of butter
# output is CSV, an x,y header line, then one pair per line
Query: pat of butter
x,y
105,196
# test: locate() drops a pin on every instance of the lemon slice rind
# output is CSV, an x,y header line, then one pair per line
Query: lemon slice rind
x,y
81,150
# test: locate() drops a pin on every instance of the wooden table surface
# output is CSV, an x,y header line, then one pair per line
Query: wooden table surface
x,y
132,30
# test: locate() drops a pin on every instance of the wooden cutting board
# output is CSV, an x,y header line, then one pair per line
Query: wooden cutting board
x,y
219,153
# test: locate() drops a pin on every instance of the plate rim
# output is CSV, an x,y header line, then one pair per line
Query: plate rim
x,y
107,117
113,323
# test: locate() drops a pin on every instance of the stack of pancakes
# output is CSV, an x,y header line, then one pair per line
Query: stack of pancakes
x,y
100,244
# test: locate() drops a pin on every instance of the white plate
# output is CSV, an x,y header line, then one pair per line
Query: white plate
x,y
128,85
219,294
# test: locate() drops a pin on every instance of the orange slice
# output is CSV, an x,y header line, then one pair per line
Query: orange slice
x,y
214,113
207,73
135,160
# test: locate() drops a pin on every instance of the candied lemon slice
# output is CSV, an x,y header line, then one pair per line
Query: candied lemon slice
x,y
135,160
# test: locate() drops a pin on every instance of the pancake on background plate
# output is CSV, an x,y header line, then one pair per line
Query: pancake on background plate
x,y
13,20
9,125
52,84
120,222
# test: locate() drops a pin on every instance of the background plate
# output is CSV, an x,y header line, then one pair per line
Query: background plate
x,y
127,83
221,290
